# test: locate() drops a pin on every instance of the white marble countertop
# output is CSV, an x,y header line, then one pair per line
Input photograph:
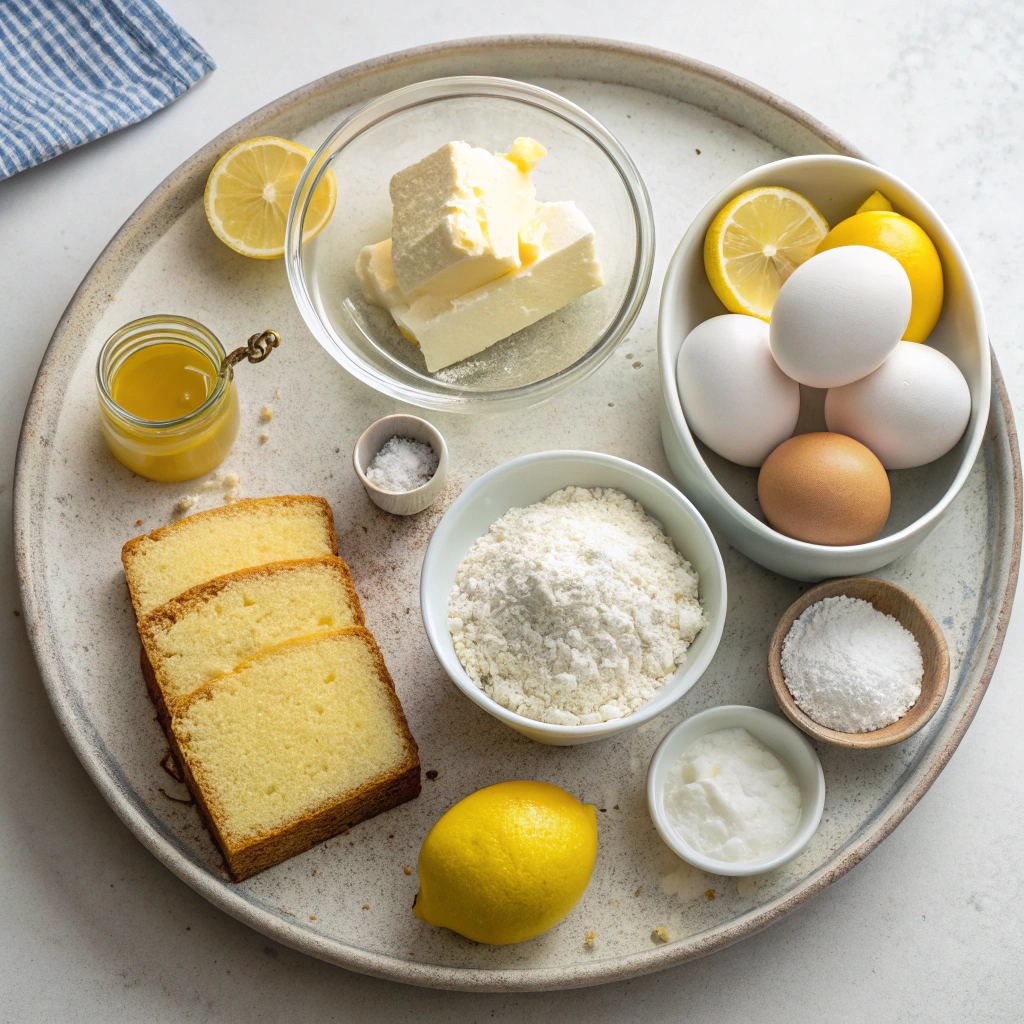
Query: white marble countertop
x,y
928,928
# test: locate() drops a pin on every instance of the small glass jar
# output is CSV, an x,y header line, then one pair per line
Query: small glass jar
x,y
176,449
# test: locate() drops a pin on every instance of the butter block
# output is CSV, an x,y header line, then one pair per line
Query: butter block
x,y
377,275
566,267
455,219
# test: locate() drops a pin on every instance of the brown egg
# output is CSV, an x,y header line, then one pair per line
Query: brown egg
x,y
824,489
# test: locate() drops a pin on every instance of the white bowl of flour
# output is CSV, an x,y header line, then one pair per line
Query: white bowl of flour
x,y
531,479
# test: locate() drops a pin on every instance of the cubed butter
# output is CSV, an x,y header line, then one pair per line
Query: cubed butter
x,y
565,268
455,219
377,275
473,256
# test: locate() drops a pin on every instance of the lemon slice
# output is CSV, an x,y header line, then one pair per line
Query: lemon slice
x,y
755,242
250,189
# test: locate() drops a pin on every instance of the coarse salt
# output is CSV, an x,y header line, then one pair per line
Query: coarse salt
x,y
402,465
851,667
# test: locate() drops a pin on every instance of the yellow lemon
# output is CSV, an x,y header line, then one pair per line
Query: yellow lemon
x,y
755,242
875,201
507,863
907,243
250,189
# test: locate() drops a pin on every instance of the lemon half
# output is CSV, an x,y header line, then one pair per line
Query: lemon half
x,y
755,242
250,189
507,863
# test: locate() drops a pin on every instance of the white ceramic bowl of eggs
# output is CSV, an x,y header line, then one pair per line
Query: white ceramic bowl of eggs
x,y
747,404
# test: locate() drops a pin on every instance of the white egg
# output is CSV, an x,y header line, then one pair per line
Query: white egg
x,y
911,410
734,396
839,315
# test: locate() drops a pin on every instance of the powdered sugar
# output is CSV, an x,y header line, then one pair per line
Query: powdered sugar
x,y
850,667
402,464
574,610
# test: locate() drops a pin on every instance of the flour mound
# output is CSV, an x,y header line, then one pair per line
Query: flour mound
x,y
574,610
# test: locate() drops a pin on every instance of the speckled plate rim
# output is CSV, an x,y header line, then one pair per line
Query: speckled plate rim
x,y
658,71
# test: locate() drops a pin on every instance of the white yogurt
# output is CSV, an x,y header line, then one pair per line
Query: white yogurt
x,y
730,798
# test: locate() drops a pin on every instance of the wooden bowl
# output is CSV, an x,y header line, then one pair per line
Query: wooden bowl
x,y
912,615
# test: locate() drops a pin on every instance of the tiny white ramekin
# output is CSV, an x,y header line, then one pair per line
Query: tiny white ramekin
x,y
788,744
375,436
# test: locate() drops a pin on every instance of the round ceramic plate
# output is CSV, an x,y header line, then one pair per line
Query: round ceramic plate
x,y
691,129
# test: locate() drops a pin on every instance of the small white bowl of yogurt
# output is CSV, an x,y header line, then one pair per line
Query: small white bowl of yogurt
x,y
736,790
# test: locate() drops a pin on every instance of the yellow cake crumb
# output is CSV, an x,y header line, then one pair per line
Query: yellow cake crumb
x,y
661,934
185,503
266,414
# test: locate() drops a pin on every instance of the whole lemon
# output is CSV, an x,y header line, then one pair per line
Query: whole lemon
x,y
911,247
507,863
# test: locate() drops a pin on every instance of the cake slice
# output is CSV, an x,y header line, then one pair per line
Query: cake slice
x,y
208,630
296,744
167,562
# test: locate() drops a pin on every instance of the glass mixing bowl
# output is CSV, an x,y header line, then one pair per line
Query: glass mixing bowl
x,y
585,164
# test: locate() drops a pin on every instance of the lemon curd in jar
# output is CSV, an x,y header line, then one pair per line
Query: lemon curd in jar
x,y
168,404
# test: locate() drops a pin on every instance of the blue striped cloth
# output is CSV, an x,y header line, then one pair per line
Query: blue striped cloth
x,y
73,70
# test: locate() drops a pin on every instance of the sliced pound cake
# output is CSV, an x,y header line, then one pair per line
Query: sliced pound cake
x,y
167,562
295,745
208,630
